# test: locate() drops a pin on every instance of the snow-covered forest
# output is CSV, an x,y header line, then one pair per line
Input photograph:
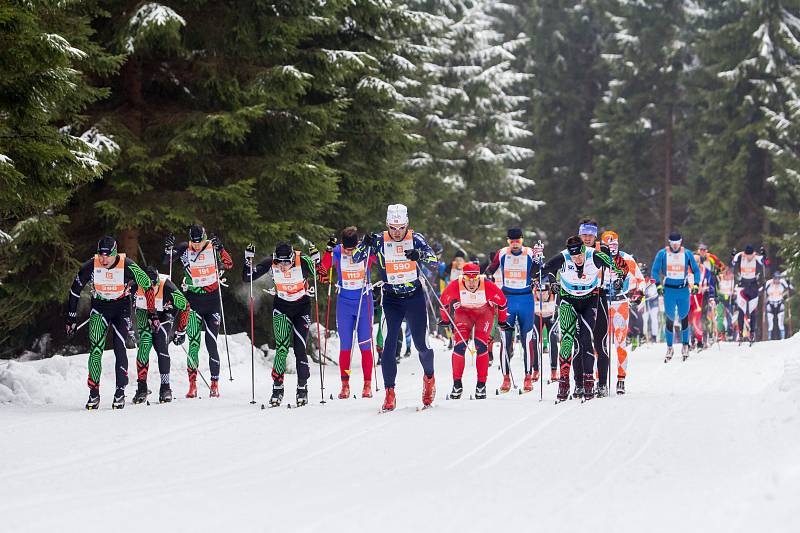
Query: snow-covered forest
x,y
292,119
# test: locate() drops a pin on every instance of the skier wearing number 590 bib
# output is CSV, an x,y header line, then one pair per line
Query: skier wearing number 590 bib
x,y
397,251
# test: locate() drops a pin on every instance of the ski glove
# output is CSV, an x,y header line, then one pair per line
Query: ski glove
x,y
311,291
169,244
180,337
370,240
215,242
660,290
332,242
444,323
412,254
618,283
314,254
695,289
249,253
555,287
605,249
155,323
505,326
71,326
538,250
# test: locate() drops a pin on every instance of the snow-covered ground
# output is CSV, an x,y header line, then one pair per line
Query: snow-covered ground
x,y
710,444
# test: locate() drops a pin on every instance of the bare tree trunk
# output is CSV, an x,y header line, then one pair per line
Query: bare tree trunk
x,y
129,240
668,174
132,82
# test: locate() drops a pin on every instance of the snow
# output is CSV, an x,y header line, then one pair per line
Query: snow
x,y
62,45
99,142
149,15
5,160
702,445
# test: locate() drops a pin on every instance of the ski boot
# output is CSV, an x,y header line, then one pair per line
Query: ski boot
x,y
192,385
506,386
480,390
458,389
553,375
119,398
428,390
345,392
685,351
165,393
588,386
668,358
620,386
302,395
527,385
407,354
94,399
602,391
536,376
563,390
141,393
277,394
389,402
366,392
578,392
214,392
397,357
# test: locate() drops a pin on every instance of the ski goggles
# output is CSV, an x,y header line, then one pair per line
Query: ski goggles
x,y
395,227
282,260
515,241
675,244
472,276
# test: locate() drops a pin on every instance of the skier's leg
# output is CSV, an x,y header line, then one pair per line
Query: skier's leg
x,y
193,332
600,339
462,328
417,321
567,322
300,325
145,343
365,339
781,326
670,296
119,326
552,343
394,308
528,339
282,330
161,343
586,329
683,313
483,329
98,328
345,322
621,321
211,321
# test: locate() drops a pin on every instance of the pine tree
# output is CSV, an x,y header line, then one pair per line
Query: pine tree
x,y
48,56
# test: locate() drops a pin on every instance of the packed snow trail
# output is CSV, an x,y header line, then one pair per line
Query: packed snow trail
x,y
709,444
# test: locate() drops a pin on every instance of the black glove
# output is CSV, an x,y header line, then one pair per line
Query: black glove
x,y
444,323
314,254
618,284
412,254
71,324
249,253
169,243
733,252
660,290
155,323
332,242
489,277
762,251
370,240
180,336
505,326
605,249
215,242
555,287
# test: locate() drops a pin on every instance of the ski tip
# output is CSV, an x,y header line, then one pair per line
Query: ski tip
x,y
497,392
148,402
331,396
263,406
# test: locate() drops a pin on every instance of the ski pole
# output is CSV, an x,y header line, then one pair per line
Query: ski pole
x,y
328,310
222,312
610,299
319,342
249,255
198,368
541,337
361,298
450,318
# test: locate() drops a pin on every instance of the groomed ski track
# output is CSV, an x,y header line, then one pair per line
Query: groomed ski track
x,y
710,444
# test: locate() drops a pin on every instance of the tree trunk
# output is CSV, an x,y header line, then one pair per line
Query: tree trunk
x,y
668,174
129,242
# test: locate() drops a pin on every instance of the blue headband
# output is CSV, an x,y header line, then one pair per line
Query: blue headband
x,y
588,229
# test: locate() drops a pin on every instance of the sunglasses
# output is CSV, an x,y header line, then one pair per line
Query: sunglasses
x,y
397,228
514,241
471,276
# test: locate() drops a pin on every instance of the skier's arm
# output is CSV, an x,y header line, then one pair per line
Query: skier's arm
x,y
179,301
694,266
602,259
360,253
80,281
171,254
494,265
553,265
449,295
426,255
496,296
261,269
141,279
309,270
225,258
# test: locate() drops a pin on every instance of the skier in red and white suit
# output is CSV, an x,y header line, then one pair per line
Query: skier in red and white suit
x,y
474,299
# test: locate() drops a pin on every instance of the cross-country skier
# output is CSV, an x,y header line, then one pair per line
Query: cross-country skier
x,y
671,269
453,271
201,258
398,250
352,289
173,314
619,309
518,267
650,307
748,269
291,311
777,291
475,300
578,267
725,302
699,303
113,277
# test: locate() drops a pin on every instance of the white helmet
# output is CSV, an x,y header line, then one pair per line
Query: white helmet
x,y
397,215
